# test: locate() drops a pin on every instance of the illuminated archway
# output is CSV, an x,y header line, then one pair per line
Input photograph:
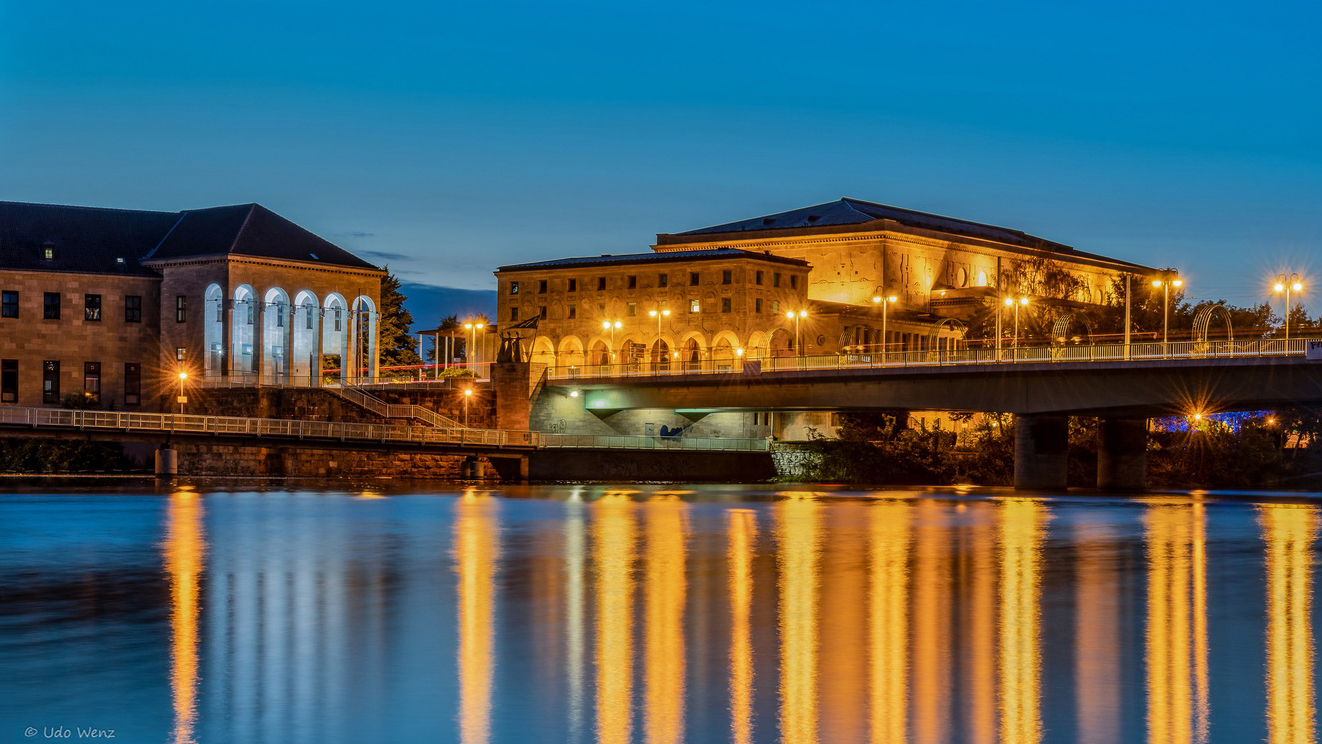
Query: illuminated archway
x,y
334,331
275,349
571,353
363,353
305,317
213,320
659,356
781,343
543,352
243,324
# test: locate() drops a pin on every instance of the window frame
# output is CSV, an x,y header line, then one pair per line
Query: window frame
x,y
50,382
132,308
50,310
9,301
8,380
92,374
132,384
181,308
92,308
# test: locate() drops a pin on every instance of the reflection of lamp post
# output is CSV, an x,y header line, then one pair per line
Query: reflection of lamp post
x,y
182,376
1286,285
1169,278
468,393
796,317
1016,303
888,300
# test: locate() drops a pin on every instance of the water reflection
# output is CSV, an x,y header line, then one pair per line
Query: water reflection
x,y
476,549
1097,644
1177,624
1021,527
931,619
185,550
613,554
888,622
797,536
665,587
742,536
1288,532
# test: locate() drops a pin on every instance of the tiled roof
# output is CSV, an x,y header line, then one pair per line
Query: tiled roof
x,y
848,211
94,239
248,230
673,257
82,239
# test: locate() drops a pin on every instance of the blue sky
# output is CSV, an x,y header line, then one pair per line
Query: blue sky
x,y
446,139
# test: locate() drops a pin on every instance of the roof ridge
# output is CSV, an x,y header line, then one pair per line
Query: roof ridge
x,y
178,219
935,215
80,206
252,207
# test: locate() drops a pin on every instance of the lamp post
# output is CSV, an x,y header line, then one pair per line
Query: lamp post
x,y
659,314
182,376
1016,303
1169,278
796,317
1287,284
472,329
612,326
468,393
883,302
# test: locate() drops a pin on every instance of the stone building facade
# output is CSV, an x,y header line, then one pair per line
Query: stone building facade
x,y
229,292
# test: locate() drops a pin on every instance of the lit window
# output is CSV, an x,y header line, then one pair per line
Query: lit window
x,y
92,308
633,309
514,288
695,306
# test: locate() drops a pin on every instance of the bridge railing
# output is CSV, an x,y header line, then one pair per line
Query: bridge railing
x,y
1146,351
596,441
259,427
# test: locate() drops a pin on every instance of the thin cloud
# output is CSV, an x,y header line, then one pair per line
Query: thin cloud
x,y
385,255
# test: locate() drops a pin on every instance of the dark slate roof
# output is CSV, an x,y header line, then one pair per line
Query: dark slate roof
x,y
848,211
92,239
84,239
248,230
673,256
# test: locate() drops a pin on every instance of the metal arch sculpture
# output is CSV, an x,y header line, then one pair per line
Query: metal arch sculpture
x,y
1204,317
1060,331
934,334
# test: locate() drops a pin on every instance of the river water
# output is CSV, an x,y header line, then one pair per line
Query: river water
x,y
655,614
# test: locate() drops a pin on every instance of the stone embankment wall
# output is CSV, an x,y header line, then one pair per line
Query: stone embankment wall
x,y
226,459
651,465
794,461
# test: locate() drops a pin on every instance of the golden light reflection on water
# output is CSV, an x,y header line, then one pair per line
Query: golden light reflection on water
x,y
742,538
796,535
1288,531
980,620
931,620
888,626
842,610
185,549
1021,534
665,590
1177,623
477,547
613,554
1097,634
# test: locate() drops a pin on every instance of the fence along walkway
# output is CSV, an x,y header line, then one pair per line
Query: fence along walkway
x,y
1140,352
258,427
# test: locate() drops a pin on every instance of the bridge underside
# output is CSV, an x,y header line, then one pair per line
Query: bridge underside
x,y
1126,390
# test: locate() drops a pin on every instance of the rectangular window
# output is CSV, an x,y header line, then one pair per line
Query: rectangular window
x,y
695,306
663,280
757,305
573,285
180,308
307,322
726,305
757,277
573,312
775,279
693,278
251,312
220,309
279,316
50,304
541,286
794,282
132,384
92,381
9,304
727,276
601,283
633,281
337,319
633,309
541,312
132,308
514,313
50,382
514,288
9,381
775,307
179,353
92,308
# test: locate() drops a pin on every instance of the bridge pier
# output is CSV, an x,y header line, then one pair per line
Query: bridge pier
x,y
1122,454
167,460
1041,452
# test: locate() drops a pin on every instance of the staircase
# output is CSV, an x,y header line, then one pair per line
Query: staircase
x,y
383,409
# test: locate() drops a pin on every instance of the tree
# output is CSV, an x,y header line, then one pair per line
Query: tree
x,y
397,344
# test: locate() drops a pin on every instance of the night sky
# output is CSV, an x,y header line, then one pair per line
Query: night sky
x,y
446,139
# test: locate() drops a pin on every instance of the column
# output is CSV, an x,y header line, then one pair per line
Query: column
x,y
320,318
1041,449
259,339
287,341
226,335
1122,453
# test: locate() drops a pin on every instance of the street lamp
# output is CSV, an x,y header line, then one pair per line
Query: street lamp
x,y
659,315
182,376
612,326
472,328
468,393
884,339
1016,304
796,317
1288,284
1169,278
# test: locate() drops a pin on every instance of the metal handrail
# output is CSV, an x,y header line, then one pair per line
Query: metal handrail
x,y
260,427
1144,352
599,441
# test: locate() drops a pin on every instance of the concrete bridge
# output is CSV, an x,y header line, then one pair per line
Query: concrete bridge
x,y
1042,386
